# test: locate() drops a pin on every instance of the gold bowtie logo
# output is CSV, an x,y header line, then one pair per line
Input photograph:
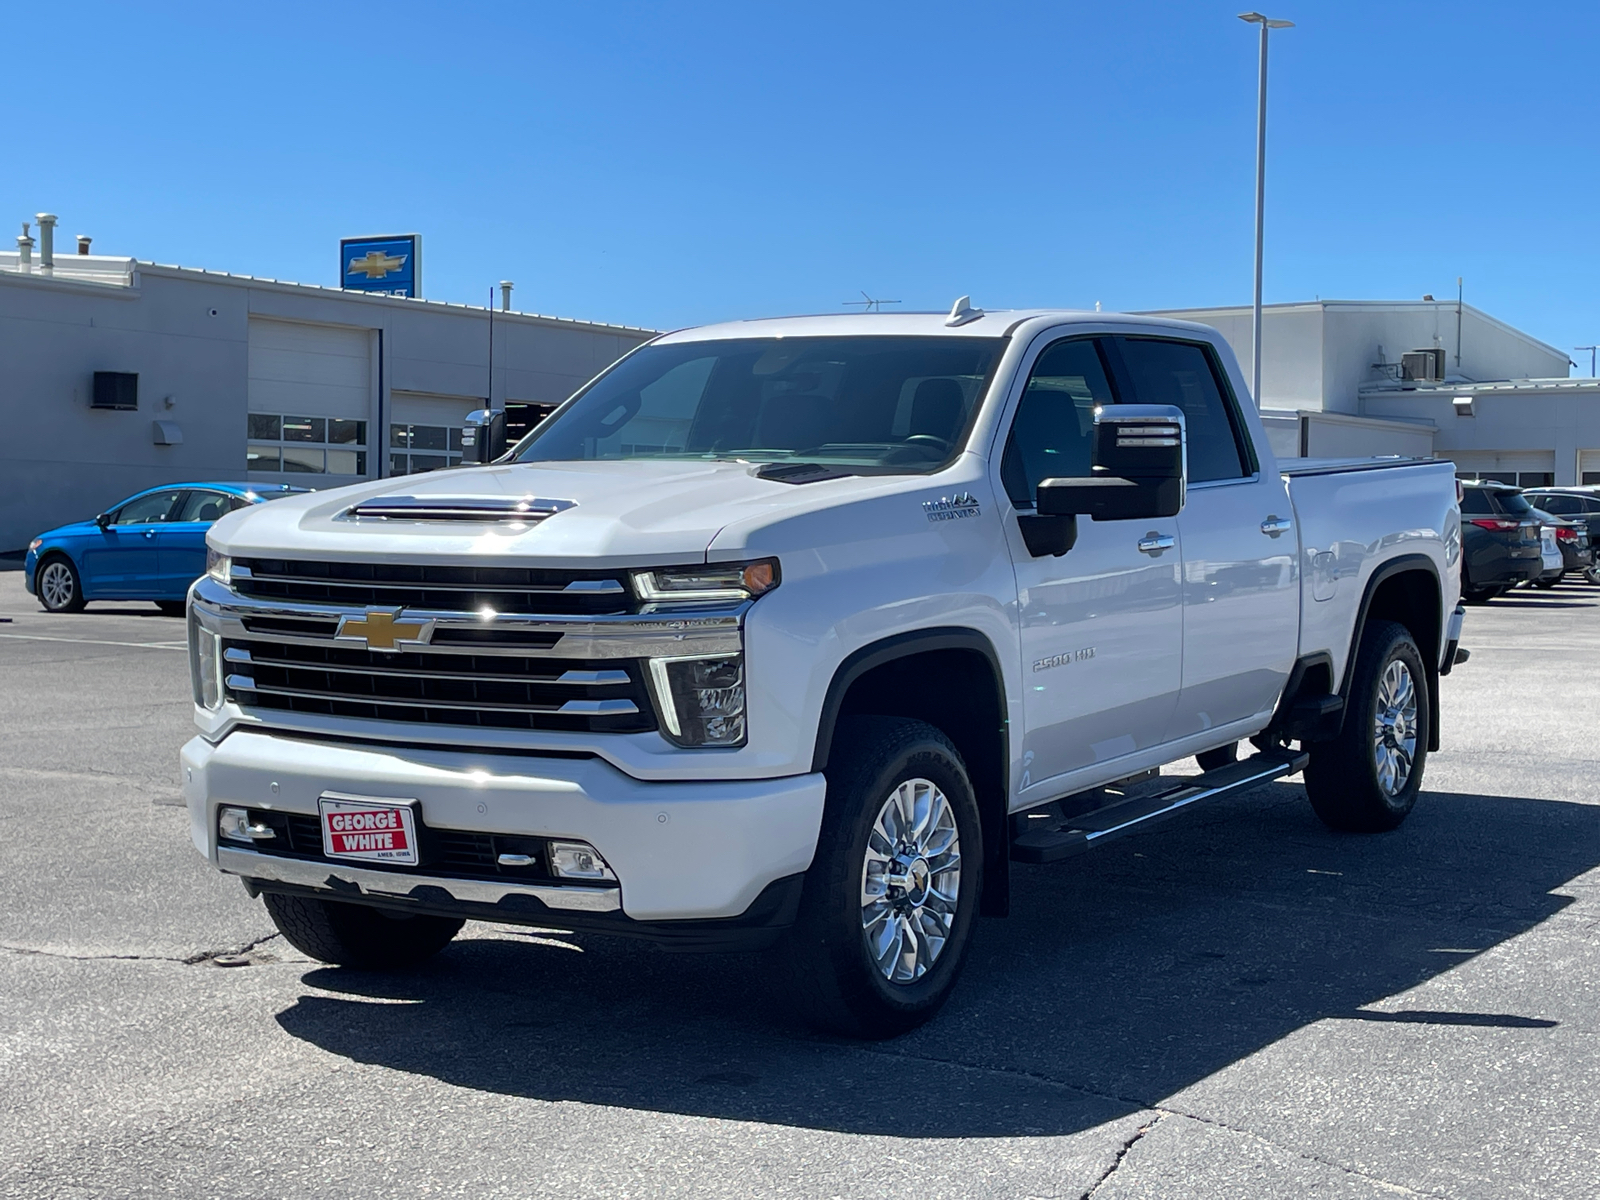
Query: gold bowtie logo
x,y
376,264
382,629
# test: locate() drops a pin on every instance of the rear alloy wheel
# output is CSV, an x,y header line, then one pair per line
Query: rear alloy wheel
x,y
58,586
1367,779
892,892
358,935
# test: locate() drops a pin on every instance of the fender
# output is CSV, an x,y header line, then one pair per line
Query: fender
x,y
1430,657
995,901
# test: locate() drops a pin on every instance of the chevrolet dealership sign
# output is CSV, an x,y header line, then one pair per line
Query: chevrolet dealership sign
x,y
389,266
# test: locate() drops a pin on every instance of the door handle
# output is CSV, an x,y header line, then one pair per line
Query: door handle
x,y
149,533
1154,543
1275,525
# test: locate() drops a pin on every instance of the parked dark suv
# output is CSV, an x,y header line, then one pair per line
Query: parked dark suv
x,y
1575,504
1499,539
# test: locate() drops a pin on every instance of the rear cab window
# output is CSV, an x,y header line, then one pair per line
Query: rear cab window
x,y
1186,376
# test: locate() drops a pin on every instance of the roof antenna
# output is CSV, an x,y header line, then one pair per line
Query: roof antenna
x,y
867,303
962,313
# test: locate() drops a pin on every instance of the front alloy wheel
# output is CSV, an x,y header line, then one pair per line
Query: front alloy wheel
x,y
57,586
911,881
892,893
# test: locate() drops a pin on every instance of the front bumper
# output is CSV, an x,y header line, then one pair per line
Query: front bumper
x,y
681,851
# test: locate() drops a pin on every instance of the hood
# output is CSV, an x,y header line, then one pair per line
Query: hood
x,y
76,529
638,512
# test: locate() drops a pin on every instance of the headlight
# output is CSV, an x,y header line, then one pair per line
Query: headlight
x,y
701,699
205,665
218,566
718,581
35,544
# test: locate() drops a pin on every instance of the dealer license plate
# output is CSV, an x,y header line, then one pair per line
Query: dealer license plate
x,y
369,830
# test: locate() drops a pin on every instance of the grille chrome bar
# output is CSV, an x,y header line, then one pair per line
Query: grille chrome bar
x,y
236,654
584,587
586,708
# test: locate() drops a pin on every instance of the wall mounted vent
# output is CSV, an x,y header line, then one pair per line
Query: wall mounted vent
x,y
115,389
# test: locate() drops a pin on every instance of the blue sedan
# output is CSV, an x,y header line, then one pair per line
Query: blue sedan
x,y
152,546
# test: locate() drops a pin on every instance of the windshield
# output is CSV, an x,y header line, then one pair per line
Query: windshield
x,y
899,405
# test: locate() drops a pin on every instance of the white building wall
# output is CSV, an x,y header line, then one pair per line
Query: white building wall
x,y
186,333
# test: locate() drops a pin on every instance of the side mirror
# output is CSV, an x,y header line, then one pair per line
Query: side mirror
x,y
483,439
103,520
1138,472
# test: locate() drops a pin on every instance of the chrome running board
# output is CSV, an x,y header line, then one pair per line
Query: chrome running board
x,y
1046,834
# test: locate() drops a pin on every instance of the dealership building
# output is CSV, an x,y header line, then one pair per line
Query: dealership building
x,y
121,374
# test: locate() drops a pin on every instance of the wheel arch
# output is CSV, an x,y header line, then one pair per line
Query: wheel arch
x,y
911,675
1407,590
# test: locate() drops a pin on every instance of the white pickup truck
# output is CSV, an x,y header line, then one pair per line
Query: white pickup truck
x,y
797,633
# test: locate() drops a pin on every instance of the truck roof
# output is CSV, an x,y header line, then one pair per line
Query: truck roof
x,y
989,323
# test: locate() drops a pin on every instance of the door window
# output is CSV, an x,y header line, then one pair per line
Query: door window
x,y
1052,435
142,510
1559,504
203,506
1183,375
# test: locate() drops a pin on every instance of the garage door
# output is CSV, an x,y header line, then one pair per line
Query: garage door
x,y
1589,466
310,400
1525,468
425,430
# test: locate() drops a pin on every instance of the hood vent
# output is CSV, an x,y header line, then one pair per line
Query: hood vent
x,y
526,510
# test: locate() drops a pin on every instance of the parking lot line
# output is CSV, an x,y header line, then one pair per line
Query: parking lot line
x,y
39,637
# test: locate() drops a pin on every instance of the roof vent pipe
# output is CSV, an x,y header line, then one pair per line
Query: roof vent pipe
x,y
505,294
24,250
83,243
47,240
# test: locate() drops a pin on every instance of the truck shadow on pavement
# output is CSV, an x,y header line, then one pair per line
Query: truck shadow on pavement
x,y
1122,978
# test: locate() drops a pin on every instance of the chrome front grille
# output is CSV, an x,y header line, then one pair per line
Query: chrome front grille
x,y
450,588
495,690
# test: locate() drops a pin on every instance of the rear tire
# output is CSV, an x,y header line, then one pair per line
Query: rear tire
x,y
892,892
1222,756
58,585
358,935
1547,583
1367,779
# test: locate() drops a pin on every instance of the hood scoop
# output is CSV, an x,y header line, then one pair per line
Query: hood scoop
x,y
800,472
523,510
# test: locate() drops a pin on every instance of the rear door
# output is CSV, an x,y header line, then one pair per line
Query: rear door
x,y
1241,595
182,540
123,562
1099,626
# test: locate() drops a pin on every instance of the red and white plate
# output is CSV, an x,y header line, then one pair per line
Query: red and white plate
x,y
369,830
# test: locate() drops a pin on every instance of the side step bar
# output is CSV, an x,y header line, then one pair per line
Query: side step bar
x,y
1045,835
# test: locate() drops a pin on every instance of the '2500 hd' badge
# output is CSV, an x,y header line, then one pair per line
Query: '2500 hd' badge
x,y
952,508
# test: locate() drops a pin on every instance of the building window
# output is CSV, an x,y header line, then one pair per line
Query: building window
x,y
306,445
1529,479
417,448
1591,478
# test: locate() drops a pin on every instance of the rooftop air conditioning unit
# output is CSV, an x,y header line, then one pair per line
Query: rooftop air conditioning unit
x,y
1423,366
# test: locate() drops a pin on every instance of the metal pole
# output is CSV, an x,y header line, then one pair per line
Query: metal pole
x,y
1458,323
1261,199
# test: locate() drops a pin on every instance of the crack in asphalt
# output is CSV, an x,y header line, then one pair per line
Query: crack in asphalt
x,y
1123,1153
1161,1110
192,960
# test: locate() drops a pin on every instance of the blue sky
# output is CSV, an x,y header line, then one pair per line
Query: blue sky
x,y
670,164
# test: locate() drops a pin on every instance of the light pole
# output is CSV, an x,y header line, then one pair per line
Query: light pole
x,y
1267,24
1591,350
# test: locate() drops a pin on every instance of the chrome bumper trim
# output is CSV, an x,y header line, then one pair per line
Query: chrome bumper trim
x,y
323,875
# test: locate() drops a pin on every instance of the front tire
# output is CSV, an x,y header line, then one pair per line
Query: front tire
x,y
357,935
892,892
1367,779
58,585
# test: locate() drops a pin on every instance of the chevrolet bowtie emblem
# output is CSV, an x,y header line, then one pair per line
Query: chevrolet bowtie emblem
x,y
382,629
376,264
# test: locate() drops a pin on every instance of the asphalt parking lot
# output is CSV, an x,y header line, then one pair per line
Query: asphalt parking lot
x,y
1237,1004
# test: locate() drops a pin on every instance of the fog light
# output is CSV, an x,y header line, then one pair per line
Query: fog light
x,y
235,825
578,860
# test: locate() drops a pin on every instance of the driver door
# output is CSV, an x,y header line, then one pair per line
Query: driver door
x,y
123,562
1101,626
